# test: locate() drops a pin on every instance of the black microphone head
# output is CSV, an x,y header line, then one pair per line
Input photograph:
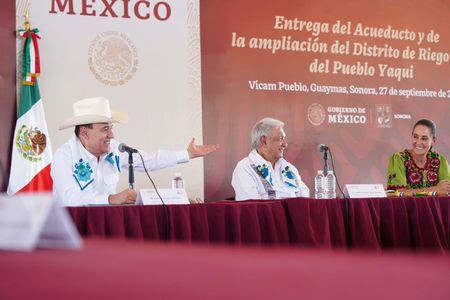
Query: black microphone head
x,y
322,148
122,147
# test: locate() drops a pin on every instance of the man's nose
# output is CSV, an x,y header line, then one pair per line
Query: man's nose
x,y
110,134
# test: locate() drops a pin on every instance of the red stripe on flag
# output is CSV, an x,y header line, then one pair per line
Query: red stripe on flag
x,y
41,182
37,60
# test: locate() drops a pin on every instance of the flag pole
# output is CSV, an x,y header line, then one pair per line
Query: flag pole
x,y
27,21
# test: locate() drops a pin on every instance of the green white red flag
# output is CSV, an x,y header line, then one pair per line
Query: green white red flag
x,y
31,149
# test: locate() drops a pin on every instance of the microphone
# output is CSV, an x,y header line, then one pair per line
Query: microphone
x,y
130,151
125,148
324,148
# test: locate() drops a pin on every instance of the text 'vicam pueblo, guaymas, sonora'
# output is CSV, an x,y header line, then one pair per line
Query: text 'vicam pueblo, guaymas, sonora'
x,y
126,9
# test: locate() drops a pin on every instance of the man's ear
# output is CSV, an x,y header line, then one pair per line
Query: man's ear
x,y
83,132
263,140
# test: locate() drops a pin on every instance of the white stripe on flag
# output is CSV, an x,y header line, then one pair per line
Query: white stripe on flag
x,y
23,170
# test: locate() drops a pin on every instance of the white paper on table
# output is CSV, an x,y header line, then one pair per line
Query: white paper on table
x,y
170,196
364,191
30,220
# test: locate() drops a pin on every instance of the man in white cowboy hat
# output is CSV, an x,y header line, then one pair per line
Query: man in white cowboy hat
x,y
264,173
85,170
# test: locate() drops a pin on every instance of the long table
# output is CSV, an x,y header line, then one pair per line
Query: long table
x,y
124,269
418,223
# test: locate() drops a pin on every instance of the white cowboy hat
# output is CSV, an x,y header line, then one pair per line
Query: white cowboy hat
x,y
91,111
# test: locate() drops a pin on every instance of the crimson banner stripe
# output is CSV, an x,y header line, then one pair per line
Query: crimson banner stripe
x,y
41,182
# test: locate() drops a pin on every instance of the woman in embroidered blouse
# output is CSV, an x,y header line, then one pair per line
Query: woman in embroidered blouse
x,y
419,170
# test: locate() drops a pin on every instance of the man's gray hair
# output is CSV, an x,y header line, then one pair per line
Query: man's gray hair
x,y
263,128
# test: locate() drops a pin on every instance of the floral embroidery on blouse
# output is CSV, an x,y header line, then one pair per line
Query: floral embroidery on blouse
x,y
422,177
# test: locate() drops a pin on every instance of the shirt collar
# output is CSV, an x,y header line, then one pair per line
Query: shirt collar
x,y
110,158
257,159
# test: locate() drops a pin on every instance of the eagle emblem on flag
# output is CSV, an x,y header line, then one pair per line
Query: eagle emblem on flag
x,y
31,142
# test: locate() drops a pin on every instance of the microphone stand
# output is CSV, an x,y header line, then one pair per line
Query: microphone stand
x,y
325,160
130,171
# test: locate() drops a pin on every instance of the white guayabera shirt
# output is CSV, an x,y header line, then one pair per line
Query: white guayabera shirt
x,y
79,179
254,178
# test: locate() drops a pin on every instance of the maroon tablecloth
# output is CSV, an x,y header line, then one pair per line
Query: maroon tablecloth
x,y
387,223
117,269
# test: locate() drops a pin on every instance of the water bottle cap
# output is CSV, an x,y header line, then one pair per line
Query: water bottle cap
x,y
319,171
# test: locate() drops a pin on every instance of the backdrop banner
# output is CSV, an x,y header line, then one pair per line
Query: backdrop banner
x,y
354,75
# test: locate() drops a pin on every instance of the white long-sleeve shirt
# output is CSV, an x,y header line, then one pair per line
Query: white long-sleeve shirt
x,y
254,178
79,179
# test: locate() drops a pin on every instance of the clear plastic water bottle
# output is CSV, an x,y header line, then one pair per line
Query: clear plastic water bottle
x,y
319,182
330,185
177,181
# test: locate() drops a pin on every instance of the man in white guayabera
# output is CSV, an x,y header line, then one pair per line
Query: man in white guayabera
x,y
264,173
86,169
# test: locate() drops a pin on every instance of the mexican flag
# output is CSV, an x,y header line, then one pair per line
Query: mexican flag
x,y
31,149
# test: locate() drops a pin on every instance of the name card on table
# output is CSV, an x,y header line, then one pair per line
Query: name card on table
x,y
28,221
364,191
170,196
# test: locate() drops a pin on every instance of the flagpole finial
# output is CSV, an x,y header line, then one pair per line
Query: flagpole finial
x,y
27,21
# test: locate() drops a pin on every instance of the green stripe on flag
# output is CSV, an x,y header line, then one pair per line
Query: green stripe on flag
x,y
28,97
